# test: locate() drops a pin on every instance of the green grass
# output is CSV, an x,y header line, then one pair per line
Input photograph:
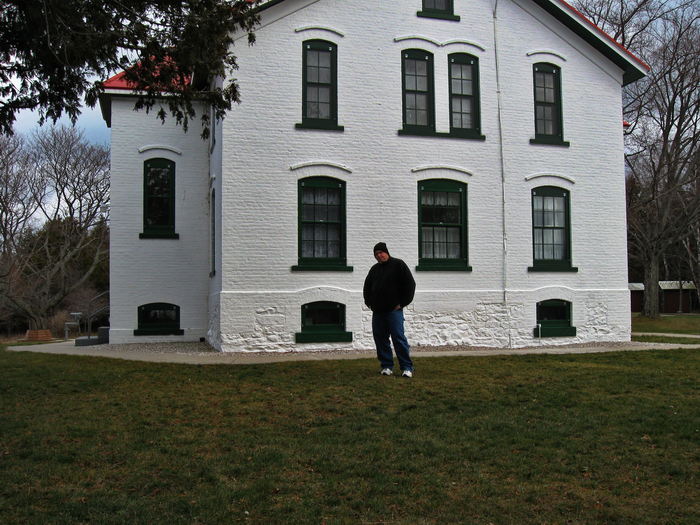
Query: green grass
x,y
667,324
570,439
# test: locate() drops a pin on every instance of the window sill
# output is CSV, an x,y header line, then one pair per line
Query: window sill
x,y
431,133
439,16
154,235
322,126
547,141
436,267
554,331
561,267
159,332
323,337
322,268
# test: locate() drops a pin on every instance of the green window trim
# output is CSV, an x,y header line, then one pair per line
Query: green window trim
x,y
418,92
544,141
429,133
158,319
442,226
158,199
551,230
319,126
554,319
319,86
464,96
321,225
547,98
324,267
154,235
323,322
433,9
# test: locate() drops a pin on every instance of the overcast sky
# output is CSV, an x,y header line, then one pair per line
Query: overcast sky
x,y
90,122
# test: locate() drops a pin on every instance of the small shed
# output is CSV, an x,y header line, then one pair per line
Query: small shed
x,y
674,297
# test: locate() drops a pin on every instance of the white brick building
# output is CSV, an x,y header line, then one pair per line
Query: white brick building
x,y
480,139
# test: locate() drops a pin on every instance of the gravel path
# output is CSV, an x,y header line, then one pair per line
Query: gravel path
x,y
202,353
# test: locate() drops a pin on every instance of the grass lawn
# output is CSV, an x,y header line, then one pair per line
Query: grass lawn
x,y
668,324
573,439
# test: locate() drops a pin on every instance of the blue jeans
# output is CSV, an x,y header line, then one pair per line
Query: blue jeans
x,y
384,325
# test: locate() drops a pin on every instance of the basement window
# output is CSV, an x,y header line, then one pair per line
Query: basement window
x,y
554,319
323,322
159,319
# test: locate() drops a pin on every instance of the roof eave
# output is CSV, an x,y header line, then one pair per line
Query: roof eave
x,y
632,67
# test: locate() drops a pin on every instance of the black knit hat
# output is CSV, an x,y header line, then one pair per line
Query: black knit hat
x,y
380,247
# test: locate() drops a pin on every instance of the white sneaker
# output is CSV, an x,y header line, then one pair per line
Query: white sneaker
x,y
386,372
407,373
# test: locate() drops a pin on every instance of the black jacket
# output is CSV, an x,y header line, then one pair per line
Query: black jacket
x,y
389,284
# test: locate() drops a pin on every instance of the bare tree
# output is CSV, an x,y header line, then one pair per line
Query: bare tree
x,y
664,137
54,256
17,204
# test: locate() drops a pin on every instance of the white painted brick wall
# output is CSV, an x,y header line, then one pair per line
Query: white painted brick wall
x,y
255,299
157,270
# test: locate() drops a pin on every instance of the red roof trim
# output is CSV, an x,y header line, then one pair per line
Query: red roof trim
x,y
605,35
117,82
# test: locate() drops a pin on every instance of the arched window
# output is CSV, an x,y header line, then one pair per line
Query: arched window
x,y
548,105
322,224
442,225
320,85
465,114
323,321
159,199
418,92
551,230
158,319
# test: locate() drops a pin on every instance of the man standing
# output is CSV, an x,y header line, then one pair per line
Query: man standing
x,y
389,287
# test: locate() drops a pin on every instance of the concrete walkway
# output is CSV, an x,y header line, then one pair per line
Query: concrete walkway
x,y
201,354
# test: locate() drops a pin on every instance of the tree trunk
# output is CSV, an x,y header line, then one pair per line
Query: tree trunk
x,y
651,288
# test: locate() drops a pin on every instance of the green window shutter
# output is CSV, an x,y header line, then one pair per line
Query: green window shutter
x,y
443,9
320,85
442,225
322,229
554,319
546,79
465,107
159,199
159,319
418,91
323,321
551,230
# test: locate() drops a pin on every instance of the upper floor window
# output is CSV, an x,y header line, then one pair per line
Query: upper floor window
x,y
442,225
465,118
548,105
418,92
551,230
159,319
320,86
443,9
159,199
322,224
